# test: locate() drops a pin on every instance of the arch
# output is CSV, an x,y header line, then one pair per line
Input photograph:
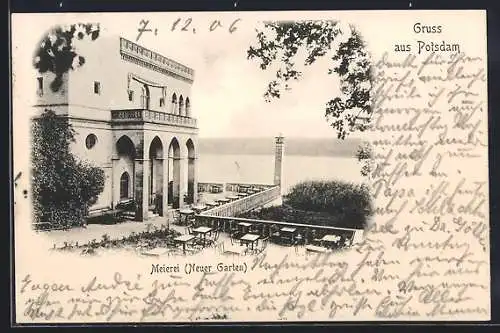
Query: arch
x,y
156,148
174,148
174,103
125,147
155,180
174,173
191,171
188,107
190,148
124,185
181,106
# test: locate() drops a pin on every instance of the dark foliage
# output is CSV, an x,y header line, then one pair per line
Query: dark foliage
x,y
365,157
63,187
280,42
56,53
326,203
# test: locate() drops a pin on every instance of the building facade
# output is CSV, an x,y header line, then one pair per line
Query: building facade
x,y
130,108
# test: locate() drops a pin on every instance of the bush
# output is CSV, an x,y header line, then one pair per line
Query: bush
x,y
63,187
337,198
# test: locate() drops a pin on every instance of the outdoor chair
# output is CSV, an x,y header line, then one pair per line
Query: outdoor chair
x,y
213,241
189,230
275,234
299,239
192,221
176,217
254,229
262,245
235,237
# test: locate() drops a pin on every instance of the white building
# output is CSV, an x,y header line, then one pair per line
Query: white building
x,y
131,110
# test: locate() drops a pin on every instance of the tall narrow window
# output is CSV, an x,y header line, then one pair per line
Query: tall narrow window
x,y
130,95
188,107
40,86
181,106
97,87
162,102
174,103
124,183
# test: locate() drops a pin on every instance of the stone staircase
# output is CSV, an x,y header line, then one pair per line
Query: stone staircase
x,y
128,215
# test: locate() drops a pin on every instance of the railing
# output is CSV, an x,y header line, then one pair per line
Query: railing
x,y
238,187
152,116
245,204
210,187
157,59
266,228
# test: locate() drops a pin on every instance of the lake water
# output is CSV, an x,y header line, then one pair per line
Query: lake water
x,y
260,169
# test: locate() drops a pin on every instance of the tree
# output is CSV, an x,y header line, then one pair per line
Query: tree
x,y
282,44
56,52
365,157
63,187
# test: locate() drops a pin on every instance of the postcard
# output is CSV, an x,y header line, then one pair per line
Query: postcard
x,y
222,167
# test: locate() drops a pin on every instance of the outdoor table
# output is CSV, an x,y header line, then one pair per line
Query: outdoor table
x,y
203,231
244,226
241,195
199,207
330,239
211,204
233,197
216,188
288,233
250,239
223,200
186,213
243,188
288,229
315,248
184,239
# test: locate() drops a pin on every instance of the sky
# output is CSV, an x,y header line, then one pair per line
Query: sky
x,y
227,93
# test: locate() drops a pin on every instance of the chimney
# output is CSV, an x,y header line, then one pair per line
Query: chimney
x,y
278,159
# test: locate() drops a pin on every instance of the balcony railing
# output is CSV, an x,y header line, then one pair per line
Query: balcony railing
x,y
142,115
140,52
245,204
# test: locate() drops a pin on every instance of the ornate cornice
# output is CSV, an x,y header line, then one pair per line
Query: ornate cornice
x,y
141,56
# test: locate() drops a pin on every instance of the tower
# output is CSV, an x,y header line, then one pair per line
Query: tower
x,y
278,159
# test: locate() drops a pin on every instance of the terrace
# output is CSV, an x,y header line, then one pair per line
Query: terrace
x,y
212,225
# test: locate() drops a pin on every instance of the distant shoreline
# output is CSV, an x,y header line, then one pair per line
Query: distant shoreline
x,y
293,146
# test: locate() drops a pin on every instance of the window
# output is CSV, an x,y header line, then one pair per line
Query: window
x,y
162,102
131,95
97,87
40,85
124,181
90,141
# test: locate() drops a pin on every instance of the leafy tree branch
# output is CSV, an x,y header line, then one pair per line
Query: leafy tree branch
x,y
282,44
56,52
